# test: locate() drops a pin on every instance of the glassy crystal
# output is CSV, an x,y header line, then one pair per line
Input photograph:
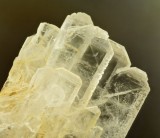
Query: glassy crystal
x,y
71,82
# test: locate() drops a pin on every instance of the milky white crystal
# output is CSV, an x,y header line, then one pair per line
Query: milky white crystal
x,y
72,82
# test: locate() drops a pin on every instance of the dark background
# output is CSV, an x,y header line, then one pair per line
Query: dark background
x,y
133,23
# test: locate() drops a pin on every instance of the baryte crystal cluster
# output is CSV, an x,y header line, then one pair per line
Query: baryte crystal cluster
x,y
72,82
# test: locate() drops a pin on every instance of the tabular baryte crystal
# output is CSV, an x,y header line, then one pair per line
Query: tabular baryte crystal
x,y
72,82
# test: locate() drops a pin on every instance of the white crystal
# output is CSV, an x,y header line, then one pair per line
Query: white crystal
x,y
72,82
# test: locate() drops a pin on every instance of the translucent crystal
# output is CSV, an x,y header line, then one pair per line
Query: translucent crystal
x,y
72,82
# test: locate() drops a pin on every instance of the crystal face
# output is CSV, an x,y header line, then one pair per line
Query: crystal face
x,y
72,82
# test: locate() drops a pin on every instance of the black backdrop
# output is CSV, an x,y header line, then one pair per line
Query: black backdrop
x,y
133,23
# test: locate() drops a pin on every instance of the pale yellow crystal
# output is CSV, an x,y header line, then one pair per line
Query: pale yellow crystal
x,y
72,82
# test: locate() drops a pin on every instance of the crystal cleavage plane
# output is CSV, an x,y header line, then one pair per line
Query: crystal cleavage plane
x,y
72,82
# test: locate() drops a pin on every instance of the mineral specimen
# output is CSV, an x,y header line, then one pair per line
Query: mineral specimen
x,y
72,82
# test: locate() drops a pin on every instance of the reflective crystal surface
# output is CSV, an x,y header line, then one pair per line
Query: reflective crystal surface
x,y
71,82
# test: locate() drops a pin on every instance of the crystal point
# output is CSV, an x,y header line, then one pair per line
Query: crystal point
x,y
71,82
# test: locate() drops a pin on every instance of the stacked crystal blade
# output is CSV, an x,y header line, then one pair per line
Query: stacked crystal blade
x,y
72,82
